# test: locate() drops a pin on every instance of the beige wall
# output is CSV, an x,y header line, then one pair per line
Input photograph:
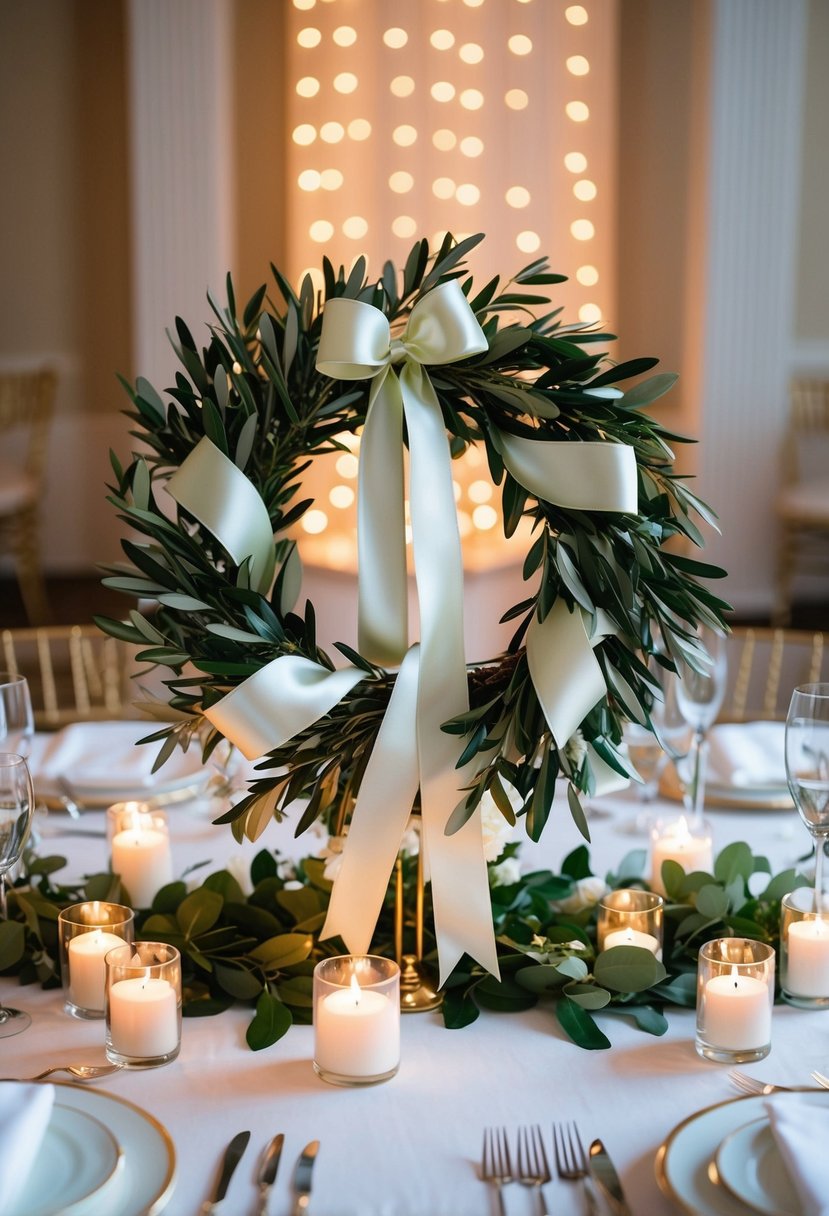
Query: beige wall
x,y
812,296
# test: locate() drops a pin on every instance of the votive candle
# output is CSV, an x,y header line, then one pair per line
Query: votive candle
x,y
86,932
804,951
142,858
735,995
356,1019
143,1004
691,846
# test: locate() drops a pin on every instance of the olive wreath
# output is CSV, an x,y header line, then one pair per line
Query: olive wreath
x,y
255,392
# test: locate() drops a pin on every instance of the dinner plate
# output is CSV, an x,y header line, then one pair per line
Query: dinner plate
x,y
143,1181
103,763
750,1166
78,1158
685,1164
731,797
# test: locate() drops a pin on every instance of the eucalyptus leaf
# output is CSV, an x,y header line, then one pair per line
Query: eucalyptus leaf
x,y
272,1021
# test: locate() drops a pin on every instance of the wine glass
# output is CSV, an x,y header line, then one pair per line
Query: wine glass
x,y
17,801
807,768
700,691
17,724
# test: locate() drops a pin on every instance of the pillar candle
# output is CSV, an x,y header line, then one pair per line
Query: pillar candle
x,y
807,972
737,1012
87,972
141,857
357,1033
143,1017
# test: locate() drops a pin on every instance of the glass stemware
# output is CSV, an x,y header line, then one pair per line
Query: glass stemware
x,y
17,724
17,801
807,769
699,693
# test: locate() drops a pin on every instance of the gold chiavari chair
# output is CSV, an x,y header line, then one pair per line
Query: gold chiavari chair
x,y
765,665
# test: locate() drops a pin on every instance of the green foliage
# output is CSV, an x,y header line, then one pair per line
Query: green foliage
x,y
262,950
254,390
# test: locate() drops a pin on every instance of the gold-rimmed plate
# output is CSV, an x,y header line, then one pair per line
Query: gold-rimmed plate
x,y
749,1166
731,797
685,1165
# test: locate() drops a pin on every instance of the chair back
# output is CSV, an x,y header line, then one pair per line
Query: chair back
x,y
765,665
75,673
26,404
808,423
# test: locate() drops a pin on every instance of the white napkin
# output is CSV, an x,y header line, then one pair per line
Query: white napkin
x,y
104,756
24,1116
747,754
801,1132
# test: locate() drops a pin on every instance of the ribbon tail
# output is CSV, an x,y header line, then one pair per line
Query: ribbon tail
x,y
583,476
383,593
379,820
566,675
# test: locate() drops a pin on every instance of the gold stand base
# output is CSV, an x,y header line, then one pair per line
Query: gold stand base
x,y
417,994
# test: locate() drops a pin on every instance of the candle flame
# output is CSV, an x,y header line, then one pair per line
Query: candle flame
x,y
629,933
355,990
735,975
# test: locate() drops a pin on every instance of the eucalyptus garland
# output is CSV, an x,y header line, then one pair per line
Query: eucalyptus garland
x,y
255,392
260,948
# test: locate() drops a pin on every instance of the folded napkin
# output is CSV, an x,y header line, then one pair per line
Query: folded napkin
x,y
801,1133
24,1116
104,757
747,754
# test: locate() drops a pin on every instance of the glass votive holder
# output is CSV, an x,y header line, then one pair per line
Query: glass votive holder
x,y
804,950
86,933
141,855
735,995
630,917
684,841
143,1004
356,1019
123,815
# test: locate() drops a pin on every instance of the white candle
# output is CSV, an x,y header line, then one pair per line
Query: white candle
x,y
357,1033
143,1017
633,937
87,972
141,857
807,971
678,843
737,1014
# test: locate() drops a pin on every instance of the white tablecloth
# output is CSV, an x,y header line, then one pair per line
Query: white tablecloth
x,y
411,1147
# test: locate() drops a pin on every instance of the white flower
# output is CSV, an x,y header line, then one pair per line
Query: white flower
x,y
505,873
495,829
586,893
410,844
333,854
575,749
238,867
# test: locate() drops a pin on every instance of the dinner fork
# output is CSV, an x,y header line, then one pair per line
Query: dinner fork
x,y
571,1161
751,1085
533,1167
81,1072
821,1079
496,1167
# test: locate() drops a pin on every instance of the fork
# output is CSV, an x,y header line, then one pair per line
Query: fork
x,y
821,1079
81,1072
751,1085
571,1161
496,1167
533,1167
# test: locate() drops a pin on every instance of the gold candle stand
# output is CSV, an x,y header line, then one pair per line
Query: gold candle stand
x,y
417,991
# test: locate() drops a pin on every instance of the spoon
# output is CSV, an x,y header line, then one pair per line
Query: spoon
x,y
81,1072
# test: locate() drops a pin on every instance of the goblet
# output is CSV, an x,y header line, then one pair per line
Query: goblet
x,y
16,718
17,801
807,769
700,691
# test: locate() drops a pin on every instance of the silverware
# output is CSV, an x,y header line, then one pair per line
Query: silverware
x,y
603,1171
81,1072
752,1085
302,1177
267,1172
496,1167
533,1167
821,1079
69,799
232,1157
571,1161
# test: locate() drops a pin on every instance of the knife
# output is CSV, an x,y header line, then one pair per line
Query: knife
x,y
232,1157
603,1171
302,1177
267,1172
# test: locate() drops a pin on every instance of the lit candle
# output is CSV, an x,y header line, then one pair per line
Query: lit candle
x,y
633,937
141,857
807,971
87,971
737,1013
143,1017
357,1032
676,842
